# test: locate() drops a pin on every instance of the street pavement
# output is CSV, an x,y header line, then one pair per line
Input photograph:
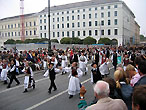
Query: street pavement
x,y
39,99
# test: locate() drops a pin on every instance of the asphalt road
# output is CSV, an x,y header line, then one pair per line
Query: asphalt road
x,y
39,99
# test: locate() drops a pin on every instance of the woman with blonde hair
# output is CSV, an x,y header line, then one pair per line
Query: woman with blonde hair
x,y
123,87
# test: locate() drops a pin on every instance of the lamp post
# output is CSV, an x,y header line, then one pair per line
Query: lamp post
x,y
49,39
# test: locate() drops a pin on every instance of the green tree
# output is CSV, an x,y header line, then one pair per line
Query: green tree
x,y
114,42
10,41
76,40
89,40
54,40
19,42
105,41
142,37
65,40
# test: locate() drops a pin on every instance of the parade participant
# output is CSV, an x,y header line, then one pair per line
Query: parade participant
x,y
29,80
114,59
4,72
63,62
75,57
83,63
12,73
95,73
74,82
125,60
52,75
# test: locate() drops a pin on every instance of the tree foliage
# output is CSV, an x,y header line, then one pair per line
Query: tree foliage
x,y
54,40
10,41
105,41
89,40
65,40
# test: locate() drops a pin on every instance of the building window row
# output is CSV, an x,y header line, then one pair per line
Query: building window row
x,y
79,10
84,33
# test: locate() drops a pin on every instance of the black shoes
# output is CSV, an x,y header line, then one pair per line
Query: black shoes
x,y
8,86
25,91
71,96
17,84
55,89
5,82
49,91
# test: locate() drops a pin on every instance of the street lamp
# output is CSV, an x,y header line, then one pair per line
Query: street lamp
x,y
49,39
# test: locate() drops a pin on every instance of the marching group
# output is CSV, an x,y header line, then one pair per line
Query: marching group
x,y
115,94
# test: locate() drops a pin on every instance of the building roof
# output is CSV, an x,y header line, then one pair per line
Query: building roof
x,y
15,17
79,4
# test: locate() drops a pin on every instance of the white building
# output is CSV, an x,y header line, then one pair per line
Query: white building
x,y
95,18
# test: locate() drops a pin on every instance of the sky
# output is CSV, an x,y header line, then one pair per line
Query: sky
x,y
12,8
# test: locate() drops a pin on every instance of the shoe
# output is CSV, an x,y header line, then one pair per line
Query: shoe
x,y
5,82
8,86
33,86
17,84
55,89
25,91
71,96
49,91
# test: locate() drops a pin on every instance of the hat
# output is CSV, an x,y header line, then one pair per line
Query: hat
x,y
93,64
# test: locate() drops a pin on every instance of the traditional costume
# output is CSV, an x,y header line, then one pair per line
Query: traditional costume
x,y
83,64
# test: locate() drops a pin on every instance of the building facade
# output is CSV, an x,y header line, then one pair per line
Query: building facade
x,y
10,27
94,18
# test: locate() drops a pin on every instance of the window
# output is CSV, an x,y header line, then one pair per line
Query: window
x,y
57,34
53,14
62,25
58,19
63,13
41,35
83,16
73,25
30,23
40,21
15,26
84,33
67,33
45,35
53,26
34,32
67,18
102,32
109,7
58,26
90,23
62,18
45,28
26,33
40,27
116,13
116,6
78,17
73,17
34,23
6,34
12,33
90,33
9,34
11,25
44,15
72,11
57,13
116,22
53,34
53,19
89,9
40,15
67,25
84,24
78,24
96,23
102,23
30,33
8,26
95,15
78,33
89,16
102,15
19,33
116,32
67,12
109,14
109,32
95,8
102,8
18,25
62,34
78,11
109,22
83,10
44,20
96,32
73,34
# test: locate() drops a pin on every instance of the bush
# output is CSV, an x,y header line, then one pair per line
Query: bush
x,y
105,41
10,41
76,40
114,42
54,40
19,42
65,40
28,41
89,40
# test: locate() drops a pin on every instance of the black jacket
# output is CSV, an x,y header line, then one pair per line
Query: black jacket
x,y
52,74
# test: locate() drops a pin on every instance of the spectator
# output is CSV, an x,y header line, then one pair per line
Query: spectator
x,y
101,90
139,98
123,87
